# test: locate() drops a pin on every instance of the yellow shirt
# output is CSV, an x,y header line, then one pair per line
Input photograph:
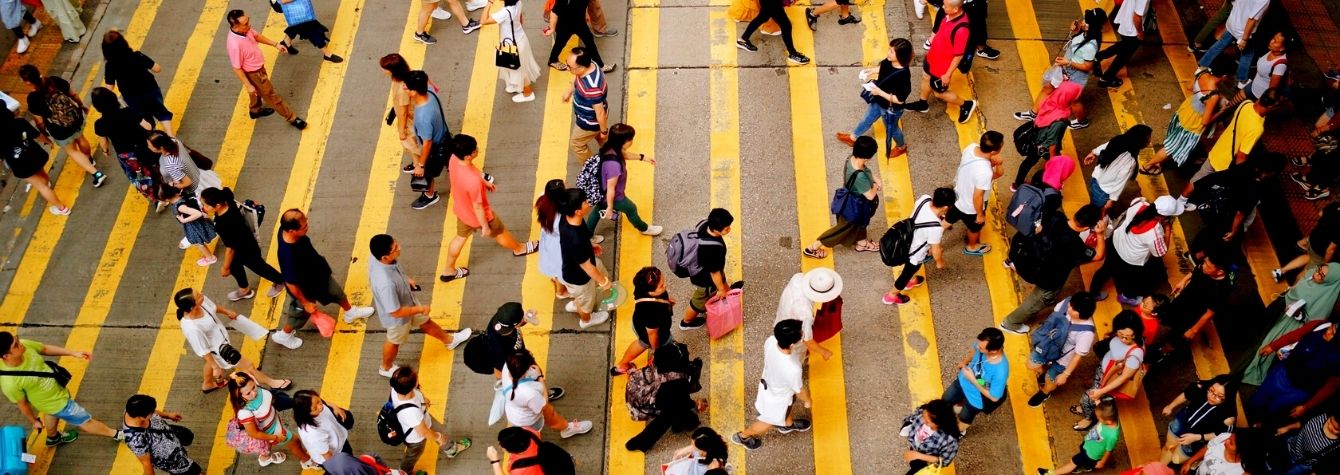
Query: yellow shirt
x,y
1249,126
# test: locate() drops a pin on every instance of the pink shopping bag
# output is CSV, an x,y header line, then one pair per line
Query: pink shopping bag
x,y
725,315
324,323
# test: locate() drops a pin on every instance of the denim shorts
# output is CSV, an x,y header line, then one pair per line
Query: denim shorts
x,y
1097,196
1179,427
73,414
1053,369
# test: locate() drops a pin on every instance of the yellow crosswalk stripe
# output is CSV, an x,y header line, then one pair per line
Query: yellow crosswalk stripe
x,y
832,446
634,249
726,366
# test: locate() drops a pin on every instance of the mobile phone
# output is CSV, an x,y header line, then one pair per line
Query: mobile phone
x,y
415,288
488,178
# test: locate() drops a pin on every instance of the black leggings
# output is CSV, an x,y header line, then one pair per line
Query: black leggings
x,y
257,264
1030,161
656,427
772,10
1121,52
564,31
905,275
18,30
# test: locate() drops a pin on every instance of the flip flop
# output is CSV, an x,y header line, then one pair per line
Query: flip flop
x,y
1076,410
531,247
815,253
288,383
1152,171
461,273
979,252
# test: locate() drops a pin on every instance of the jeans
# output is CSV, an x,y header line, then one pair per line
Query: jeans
x,y
621,205
1097,196
1245,59
1036,300
772,10
1121,51
892,133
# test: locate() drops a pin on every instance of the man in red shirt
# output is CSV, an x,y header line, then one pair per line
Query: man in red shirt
x,y
947,49
469,195
244,52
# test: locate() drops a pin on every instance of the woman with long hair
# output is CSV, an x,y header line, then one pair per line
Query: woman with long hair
x,y
509,19
1114,165
133,73
614,177
259,417
1076,64
527,398
125,134
323,427
402,110
551,254
60,115
206,335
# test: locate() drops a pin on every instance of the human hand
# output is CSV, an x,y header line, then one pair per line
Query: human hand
x,y
83,355
1190,334
1297,412
945,79
418,169
1167,410
485,231
721,293
492,452
1099,465
281,48
309,307
1095,394
1230,235
250,89
404,134
567,96
172,416
1188,438
1061,379
910,455
1090,158
981,218
1265,350
607,284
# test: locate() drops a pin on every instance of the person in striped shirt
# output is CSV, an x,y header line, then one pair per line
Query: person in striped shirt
x,y
590,109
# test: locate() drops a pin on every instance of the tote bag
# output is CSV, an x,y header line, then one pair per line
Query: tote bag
x,y
725,314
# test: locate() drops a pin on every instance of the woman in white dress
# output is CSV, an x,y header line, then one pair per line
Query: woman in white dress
x,y
512,32
205,333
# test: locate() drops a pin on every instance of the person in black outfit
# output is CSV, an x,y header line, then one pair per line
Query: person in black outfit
x,y
128,132
674,398
1200,296
569,18
652,316
133,72
504,339
772,10
27,159
1225,200
243,252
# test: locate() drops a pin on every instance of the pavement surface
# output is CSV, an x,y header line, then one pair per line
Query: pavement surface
x,y
728,129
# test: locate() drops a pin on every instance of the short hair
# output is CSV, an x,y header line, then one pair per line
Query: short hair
x,y
463,145
580,57
417,81
1084,304
902,49
787,332
1106,410
943,196
1088,215
104,100
30,74
289,220
1270,98
865,147
216,197
141,405
380,245
994,338
991,141
719,219
572,201
515,440
404,380
235,17
6,341
645,281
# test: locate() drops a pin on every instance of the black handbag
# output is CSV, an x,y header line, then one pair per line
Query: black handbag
x,y
347,421
390,117
508,55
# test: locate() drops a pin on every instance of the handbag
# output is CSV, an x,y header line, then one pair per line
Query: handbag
x,y
507,55
347,421
324,323
828,320
853,207
932,469
725,314
871,98
200,160
419,183
1127,390
58,373
236,437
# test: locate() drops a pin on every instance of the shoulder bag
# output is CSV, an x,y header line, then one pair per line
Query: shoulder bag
x,y
419,183
508,56
226,350
1127,390
58,373
850,206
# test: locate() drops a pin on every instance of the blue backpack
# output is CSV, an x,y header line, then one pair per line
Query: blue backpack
x,y
1049,340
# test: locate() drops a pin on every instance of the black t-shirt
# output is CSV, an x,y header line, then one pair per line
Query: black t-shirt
x,y
711,258
234,232
37,105
501,346
1200,417
122,127
895,81
673,397
304,267
575,244
653,314
1240,189
1201,294
132,74
1067,251
571,10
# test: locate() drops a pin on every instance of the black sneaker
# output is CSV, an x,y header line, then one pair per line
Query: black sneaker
x,y
1025,115
694,325
556,393
812,20
798,59
1110,83
797,425
470,27
965,111
749,443
334,58
988,53
918,106
298,123
98,178
424,201
289,48
425,38
1316,193
265,111
746,45
1076,124
849,20
408,168
1038,398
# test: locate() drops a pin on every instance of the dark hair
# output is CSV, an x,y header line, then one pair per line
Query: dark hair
x,y
712,445
236,381
1144,216
1251,448
235,16
902,50
546,206
217,197
302,408
380,245
518,363
515,440
1269,163
1159,301
184,299
672,358
54,86
719,219
941,413
1229,382
1270,98
417,81
1088,215
865,147
1129,320
29,74
645,281
395,64
165,142
572,201
404,380
787,332
1084,304
141,405
167,192
289,220
620,135
1131,141
114,46
1094,18
994,338
580,57
1223,66
991,141
943,196
6,341
463,145
104,100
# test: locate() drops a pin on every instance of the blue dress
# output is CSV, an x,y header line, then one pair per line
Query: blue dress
x,y
200,231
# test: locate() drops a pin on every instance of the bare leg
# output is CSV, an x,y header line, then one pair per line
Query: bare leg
x,y
425,15
80,155
432,329
96,427
1295,264
389,350
506,240
167,128
950,98
455,7
42,183
204,251
634,350
453,253
758,428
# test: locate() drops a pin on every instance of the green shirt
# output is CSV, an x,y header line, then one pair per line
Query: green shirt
x,y
862,183
43,394
1100,440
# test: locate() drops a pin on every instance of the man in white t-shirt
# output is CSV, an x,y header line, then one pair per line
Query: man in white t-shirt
x,y
980,165
1078,311
1130,21
415,421
928,227
1242,22
782,383
802,293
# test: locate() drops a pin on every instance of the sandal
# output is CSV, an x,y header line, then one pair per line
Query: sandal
x,y
819,253
1076,410
461,273
1151,170
531,247
456,448
1077,427
211,389
287,383
867,246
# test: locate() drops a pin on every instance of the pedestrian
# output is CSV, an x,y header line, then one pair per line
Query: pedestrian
x,y
1075,64
256,413
504,338
772,10
309,280
1197,113
652,315
415,422
932,436
322,427
29,159
42,398
527,402
1129,25
976,11
568,18
547,215
205,333
1241,26
1305,379
1200,44
194,222
523,448
1203,416
469,193
1125,355
397,308
244,52
1060,344
590,108
241,250
512,31
800,297
1271,68
153,440
14,13
948,46
1320,244
979,166
429,9
711,258
132,72
860,184
1099,441
1309,300
434,137
401,115
303,24
125,134
1198,297
782,383
614,179
583,274
1304,445
177,167
595,17
1051,123
67,18
706,452
60,114
1114,165
892,83
675,408
1229,453
743,11
1244,129
1323,165
1144,232
843,7
979,386
1227,202
1059,250
929,225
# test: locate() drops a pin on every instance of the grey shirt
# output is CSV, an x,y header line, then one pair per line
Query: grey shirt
x,y
390,292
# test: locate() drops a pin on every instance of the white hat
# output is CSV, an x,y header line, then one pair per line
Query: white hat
x,y
1167,206
822,284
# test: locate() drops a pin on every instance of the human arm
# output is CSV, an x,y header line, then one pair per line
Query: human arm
x,y
249,426
979,204
478,208
719,279
1247,31
602,116
610,185
494,460
1211,105
1290,338
266,41
1194,460
653,337
242,76
1069,370
423,156
875,187
186,214
53,350
1238,218
1174,404
146,463
1200,323
596,273
815,347
1317,400
953,65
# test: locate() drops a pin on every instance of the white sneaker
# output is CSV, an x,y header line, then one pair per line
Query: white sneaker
x,y
386,373
23,45
520,98
653,230
459,338
286,340
356,313
571,307
184,244
511,90
920,7
475,5
34,28
309,464
441,14
596,319
59,211
576,428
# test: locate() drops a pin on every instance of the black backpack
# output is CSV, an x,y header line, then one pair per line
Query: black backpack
x,y
1026,139
551,459
388,425
477,354
1028,255
896,245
